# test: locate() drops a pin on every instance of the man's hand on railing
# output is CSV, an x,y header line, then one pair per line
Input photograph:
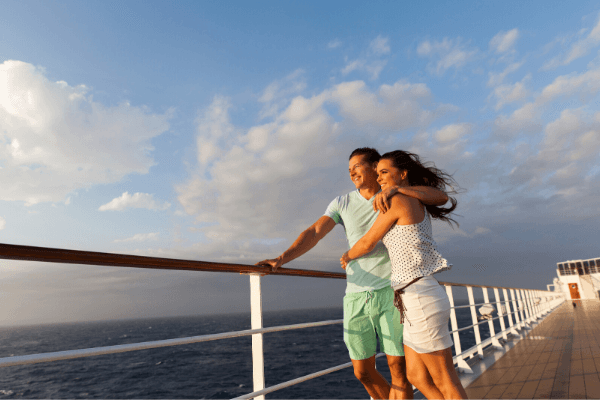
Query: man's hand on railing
x,y
274,263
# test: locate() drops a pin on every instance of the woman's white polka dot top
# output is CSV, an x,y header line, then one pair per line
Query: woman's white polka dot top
x,y
413,252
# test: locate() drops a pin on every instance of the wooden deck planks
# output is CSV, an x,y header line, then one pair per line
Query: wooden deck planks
x,y
566,364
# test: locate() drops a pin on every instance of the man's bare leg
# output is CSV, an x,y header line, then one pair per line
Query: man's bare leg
x,y
401,387
373,381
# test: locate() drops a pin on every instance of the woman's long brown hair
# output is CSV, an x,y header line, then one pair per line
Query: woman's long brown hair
x,y
420,174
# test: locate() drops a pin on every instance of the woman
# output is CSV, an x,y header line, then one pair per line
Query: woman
x,y
406,232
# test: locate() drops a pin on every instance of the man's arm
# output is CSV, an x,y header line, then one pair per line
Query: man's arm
x,y
305,241
427,195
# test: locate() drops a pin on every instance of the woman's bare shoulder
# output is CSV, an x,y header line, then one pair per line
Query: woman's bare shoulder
x,y
405,205
402,200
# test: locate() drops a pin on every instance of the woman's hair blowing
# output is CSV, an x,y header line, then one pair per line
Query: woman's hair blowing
x,y
421,174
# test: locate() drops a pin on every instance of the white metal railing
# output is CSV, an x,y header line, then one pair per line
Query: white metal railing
x,y
122,348
527,307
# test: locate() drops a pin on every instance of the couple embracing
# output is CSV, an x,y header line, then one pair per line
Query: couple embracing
x,y
391,293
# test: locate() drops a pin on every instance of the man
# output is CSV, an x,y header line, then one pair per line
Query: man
x,y
368,304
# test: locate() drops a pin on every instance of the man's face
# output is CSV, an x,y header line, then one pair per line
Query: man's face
x,y
361,172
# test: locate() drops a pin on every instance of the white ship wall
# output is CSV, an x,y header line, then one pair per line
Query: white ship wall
x,y
588,288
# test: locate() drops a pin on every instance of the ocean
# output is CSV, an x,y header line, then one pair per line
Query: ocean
x,y
219,369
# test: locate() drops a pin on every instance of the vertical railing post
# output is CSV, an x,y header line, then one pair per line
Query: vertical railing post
x,y
523,307
541,306
534,306
258,361
486,299
509,313
529,305
547,300
475,322
500,313
462,364
521,294
516,309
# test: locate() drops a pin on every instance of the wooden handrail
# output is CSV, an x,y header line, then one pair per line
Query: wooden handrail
x,y
47,254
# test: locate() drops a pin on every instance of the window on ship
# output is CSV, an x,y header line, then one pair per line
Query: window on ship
x,y
573,268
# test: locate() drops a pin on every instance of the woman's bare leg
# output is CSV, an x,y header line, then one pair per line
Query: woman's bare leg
x,y
441,368
417,374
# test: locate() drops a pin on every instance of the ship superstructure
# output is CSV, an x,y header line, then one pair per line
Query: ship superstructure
x,y
578,279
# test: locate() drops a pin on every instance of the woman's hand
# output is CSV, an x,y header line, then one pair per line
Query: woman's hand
x,y
382,200
345,260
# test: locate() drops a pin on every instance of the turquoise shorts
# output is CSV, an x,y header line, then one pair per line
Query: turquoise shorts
x,y
368,315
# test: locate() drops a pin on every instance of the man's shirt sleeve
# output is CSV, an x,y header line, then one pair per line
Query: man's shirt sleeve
x,y
333,211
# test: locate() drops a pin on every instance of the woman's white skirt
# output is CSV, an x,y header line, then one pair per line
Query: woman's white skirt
x,y
426,316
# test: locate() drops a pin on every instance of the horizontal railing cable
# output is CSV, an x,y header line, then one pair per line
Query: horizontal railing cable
x,y
478,323
122,348
296,381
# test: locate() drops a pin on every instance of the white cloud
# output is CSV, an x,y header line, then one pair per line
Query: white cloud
x,y
583,86
371,62
523,120
504,41
139,237
453,132
497,78
444,232
570,146
380,46
373,68
449,53
213,129
276,95
55,139
528,118
335,43
399,106
352,66
268,182
482,231
578,49
250,192
2,223
506,94
137,200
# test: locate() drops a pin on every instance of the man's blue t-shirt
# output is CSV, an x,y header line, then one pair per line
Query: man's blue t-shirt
x,y
355,213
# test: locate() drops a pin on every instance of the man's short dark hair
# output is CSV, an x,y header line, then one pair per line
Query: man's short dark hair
x,y
371,155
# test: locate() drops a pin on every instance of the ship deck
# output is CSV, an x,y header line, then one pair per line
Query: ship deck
x,y
559,358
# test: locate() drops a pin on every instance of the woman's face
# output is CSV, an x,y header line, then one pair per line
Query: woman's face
x,y
388,175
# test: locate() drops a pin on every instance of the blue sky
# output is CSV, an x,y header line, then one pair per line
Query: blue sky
x,y
218,131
